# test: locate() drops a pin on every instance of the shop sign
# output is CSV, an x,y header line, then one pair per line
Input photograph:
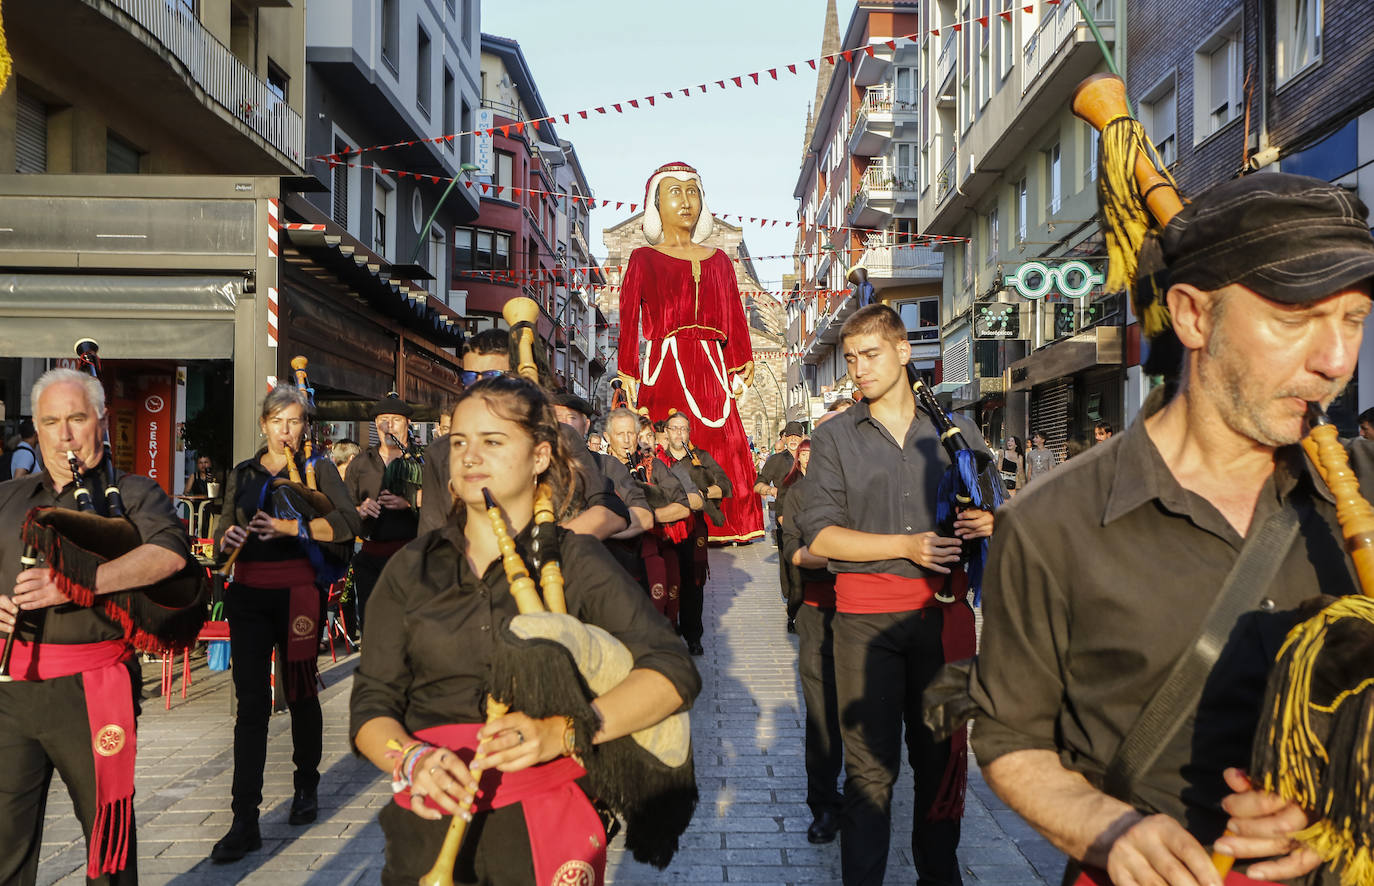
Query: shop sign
x,y
1073,279
484,154
997,321
153,429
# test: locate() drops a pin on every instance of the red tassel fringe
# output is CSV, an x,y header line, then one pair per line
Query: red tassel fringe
x,y
108,852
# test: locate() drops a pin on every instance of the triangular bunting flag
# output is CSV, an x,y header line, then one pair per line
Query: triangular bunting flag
x,y
582,114
892,44
619,204
634,102
499,189
618,109
957,27
505,130
829,59
773,72
737,80
632,206
812,63
983,20
649,99
720,83
755,77
601,110
565,118
485,187
868,50
1004,16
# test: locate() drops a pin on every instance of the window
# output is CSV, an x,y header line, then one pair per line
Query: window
x,y
339,184
278,86
448,123
121,158
906,87
1159,115
438,286
383,211
1090,168
391,33
921,319
1008,45
481,249
505,169
31,135
1298,41
422,74
984,75
1054,167
904,172
464,18
1022,210
1217,82
465,121
994,234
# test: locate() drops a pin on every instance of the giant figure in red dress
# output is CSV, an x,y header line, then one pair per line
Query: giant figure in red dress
x,y
698,357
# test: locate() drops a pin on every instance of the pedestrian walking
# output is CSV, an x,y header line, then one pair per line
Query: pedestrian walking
x,y
1039,460
770,476
693,553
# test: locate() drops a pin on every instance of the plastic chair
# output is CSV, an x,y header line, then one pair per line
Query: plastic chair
x,y
334,622
212,630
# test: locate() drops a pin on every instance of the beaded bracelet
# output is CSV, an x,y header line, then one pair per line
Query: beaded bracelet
x,y
405,762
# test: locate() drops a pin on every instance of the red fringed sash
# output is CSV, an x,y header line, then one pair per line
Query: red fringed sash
x,y
382,549
567,839
302,640
110,714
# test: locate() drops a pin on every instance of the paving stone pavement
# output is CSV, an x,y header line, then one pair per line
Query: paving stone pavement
x,y
750,826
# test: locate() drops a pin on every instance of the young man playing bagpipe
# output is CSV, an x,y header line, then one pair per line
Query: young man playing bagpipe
x,y
873,482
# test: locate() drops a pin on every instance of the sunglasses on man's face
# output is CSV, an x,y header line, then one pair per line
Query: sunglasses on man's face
x,y
470,377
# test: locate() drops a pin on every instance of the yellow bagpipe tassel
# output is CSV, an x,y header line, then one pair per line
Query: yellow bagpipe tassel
x,y
6,61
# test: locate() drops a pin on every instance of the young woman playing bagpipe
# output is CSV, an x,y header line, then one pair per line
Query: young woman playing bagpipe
x,y
287,543
456,620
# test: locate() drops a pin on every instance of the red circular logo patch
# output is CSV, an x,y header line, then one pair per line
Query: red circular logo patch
x,y
574,873
657,591
304,625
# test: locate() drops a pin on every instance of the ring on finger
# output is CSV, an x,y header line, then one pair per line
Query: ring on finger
x,y
519,737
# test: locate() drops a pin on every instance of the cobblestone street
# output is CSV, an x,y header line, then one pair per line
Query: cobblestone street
x,y
749,828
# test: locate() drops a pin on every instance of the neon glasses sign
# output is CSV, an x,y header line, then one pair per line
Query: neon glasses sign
x,y
1073,279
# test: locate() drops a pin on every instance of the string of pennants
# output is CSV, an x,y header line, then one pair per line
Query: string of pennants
x,y
497,191
756,78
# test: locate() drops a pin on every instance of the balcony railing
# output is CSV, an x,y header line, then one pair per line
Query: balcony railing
x,y
232,84
885,100
1045,43
945,180
881,177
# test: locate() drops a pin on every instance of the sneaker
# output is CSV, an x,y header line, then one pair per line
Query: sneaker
x,y
305,807
243,838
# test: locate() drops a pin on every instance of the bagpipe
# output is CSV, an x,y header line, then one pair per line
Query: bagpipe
x,y
548,663
295,498
163,617
404,475
971,481
701,476
1315,742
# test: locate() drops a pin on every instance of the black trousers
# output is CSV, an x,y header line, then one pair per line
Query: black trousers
x,y
44,727
883,663
824,744
691,593
259,620
367,568
496,848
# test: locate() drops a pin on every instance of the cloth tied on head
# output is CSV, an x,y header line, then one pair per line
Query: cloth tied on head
x,y
391,404
1290,238
653,225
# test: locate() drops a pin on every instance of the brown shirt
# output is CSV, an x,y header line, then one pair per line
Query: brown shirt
x,y
147,507
1098,580
364,481
433,626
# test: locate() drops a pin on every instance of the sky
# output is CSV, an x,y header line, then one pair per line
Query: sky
x,y
746,142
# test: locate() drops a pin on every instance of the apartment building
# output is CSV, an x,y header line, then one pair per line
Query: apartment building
x,y
858,201
392,73
1030,342
1254,87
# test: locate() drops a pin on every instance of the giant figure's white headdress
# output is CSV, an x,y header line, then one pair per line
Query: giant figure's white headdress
x,y
653,225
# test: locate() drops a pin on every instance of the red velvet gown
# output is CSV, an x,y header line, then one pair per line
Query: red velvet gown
x,y
698,339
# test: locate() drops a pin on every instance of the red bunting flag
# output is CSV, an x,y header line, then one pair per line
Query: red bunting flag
x,y
515,191
649,99
829,59
619,204
720,83
686,90
812,63
618,109
632,206
958,27
755,77
702,87
737,81
892,44
520,127
868,50
1004,16
499,189
535,124
505,130
467,183
565,118
601,110
668,94
773,72
434,179
983,20
791,69
582,114
485,187
1028,9
604,203
634,102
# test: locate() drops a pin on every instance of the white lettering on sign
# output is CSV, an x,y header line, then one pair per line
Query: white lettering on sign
x,y
484,156
152,437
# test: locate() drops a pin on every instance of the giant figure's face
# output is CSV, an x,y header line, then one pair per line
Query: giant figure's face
x,y
679,203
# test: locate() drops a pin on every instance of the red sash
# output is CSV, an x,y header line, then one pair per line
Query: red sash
x,y
1095,877
567,839
110,716
820,594
303,610
383,549
870,593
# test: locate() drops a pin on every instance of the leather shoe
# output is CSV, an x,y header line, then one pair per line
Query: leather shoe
x,y
243,838
305,807
695,648
823,828
791,626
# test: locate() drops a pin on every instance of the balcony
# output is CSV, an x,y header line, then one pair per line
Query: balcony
x,y
871,69
890,259
229,82
944,66
1064,40
944,182
881,113
882,191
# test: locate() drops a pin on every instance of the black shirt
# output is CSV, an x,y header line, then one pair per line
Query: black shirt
x,y
1098,580
710,473
147,507
593,489
795,504
614,470
247,491
660,485
432,626
364,481
861,479
778,465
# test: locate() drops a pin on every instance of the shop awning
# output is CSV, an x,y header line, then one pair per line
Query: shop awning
x,y
135,316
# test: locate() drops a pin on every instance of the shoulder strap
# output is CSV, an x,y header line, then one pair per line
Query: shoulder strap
x,y
1245,585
